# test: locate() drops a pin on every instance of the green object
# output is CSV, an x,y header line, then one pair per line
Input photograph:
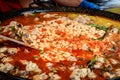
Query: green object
x,y
33,14
105,60
1,28
104,28
35,56
54,70
12,28
93,60
41,51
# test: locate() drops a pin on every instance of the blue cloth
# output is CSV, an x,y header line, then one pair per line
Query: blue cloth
x,y
90,5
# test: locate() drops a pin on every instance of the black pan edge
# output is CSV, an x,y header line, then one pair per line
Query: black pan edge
x,y
6,76
93,12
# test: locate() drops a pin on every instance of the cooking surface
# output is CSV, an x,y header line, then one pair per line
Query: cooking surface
x,y
94,53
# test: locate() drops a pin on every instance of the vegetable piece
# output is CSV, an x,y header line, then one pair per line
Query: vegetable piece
x,y
35,57
41,51
1,28
33,14
104,28
92,62
105,60
12,28
54,70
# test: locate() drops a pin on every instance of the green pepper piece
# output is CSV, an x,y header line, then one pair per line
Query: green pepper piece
x,y
104,28
35,57
41,51
54,70
1,28
12,28
33,14
93,60
105,60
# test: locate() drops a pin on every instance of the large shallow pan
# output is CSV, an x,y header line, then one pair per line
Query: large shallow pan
x,y
113,16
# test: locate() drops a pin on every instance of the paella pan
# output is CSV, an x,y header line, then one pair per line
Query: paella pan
x,y
63,43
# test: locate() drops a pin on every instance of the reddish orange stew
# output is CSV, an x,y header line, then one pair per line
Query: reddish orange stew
x,y
65,46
